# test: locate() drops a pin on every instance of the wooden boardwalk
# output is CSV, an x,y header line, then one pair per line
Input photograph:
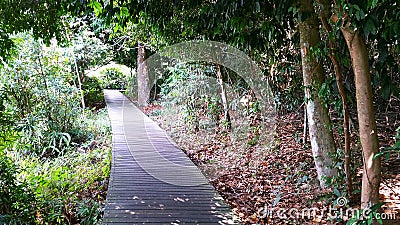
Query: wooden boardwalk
x,y
152,180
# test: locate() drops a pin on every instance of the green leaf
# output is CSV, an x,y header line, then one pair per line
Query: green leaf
x,y
278,197
377,206
98,9
116,28
336,192
379,220
370,220
124,12
360,15
258,7
369,27
372,4
387,156
352,221
379,154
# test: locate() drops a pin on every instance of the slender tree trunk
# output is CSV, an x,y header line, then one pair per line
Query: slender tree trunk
x,y
366,119
80,85
346,124
79,79
305,126
321,136
225,104
133,81
142,76
324,15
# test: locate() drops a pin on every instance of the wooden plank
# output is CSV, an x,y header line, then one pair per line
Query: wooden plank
x,y
152,181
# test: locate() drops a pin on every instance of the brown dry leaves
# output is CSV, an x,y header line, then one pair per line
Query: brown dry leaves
x,y
262,188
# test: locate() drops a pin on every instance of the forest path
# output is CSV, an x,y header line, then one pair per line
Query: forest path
x,y
152,180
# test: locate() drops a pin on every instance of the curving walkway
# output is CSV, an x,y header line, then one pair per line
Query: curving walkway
x,y
152,180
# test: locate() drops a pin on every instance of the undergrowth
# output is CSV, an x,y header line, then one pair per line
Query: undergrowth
x,y
67,189
54,153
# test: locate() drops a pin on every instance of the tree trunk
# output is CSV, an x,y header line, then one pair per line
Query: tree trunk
x,y
324,15
305,125
142,76
133,84
366,119
321,136
225,104
80,87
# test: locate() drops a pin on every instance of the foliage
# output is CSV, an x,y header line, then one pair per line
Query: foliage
x,y
17,201
86,49
64,186
93,92
45,18
89,212
110,78
66,189
193,93
45,104
219,20
329,94
40,87
387,152
287,87
54,156
367,216
113,78
379,24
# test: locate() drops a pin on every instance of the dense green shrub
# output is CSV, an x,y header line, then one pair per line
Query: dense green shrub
x,y
65,186
45,104
93,92
92,86
114,79
54,155
183,90
63,190
194,92
17,202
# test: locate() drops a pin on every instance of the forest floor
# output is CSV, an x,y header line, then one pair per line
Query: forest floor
x,y
282,188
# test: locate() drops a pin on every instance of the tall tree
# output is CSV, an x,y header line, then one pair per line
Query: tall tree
x,y
322,143
224,99
143,82
366,117
324,15
362,22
